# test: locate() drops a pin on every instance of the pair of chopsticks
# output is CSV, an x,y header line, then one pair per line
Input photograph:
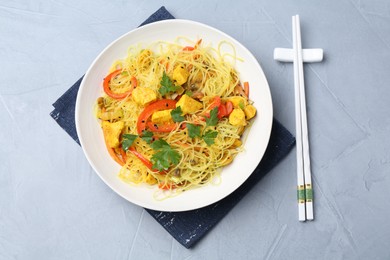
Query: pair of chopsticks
x,y
305,194
297,55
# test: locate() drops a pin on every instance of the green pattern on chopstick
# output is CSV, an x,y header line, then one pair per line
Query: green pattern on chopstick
x,y
309,193
301,194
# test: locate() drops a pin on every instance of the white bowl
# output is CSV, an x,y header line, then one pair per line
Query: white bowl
x,y
232,176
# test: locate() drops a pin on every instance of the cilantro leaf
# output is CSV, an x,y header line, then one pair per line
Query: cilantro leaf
x,y
159,162
128,140
209,137
174,157
160,144
213,119
165,155
176,114
193,130
167,85
147,136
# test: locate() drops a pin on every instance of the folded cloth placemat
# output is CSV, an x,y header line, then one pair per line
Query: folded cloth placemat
x,y
188,227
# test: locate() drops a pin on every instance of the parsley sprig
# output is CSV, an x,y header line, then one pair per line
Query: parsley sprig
x,y
147,136
165,156
176,114
128,140
193,130
167,85
209,135
213,119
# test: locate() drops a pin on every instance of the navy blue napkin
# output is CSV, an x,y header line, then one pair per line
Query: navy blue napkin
x,y
188,227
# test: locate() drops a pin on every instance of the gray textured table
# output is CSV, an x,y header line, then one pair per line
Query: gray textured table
x,y
53,206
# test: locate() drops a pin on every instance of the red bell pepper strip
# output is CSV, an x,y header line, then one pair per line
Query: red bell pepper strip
x,y
145,161
216,102
222,111
164,128
229,107
150,109
113,154
107,89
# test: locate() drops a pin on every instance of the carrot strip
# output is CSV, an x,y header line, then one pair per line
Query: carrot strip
x,y
123,154
246,88
190,48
